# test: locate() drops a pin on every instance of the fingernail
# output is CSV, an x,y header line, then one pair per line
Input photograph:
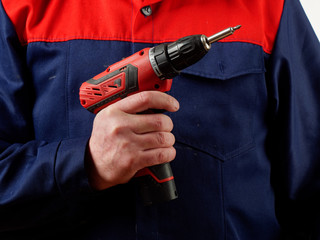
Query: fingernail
x,y
176,105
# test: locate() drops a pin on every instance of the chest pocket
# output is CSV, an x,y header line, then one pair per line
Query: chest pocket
x,y
218,100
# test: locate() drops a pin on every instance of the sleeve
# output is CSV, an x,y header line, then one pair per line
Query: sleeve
x,y
293,74
38,179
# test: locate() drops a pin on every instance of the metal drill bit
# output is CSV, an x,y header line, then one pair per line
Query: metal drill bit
x,y
224,33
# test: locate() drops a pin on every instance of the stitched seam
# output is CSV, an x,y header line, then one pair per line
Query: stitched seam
x,y
54,169
223,203
217,155
30,40
66,89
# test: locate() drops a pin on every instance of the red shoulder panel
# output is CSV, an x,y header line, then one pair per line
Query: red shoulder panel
x,y
122,20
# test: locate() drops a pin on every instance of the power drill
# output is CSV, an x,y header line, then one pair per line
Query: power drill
x,y
149,69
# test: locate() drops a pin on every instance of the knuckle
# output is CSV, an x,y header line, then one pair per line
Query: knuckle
x,y
161,139
163,122
168,155
127,162
125,146
158,122
144,97
161,156
108,121
108,112
116,130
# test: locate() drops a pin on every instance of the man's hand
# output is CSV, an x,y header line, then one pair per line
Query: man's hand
x,y
123,142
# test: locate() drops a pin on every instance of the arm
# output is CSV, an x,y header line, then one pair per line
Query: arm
x,y
42,181
294,74
35,176
27,167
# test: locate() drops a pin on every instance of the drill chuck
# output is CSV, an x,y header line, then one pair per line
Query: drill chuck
x,y
167,60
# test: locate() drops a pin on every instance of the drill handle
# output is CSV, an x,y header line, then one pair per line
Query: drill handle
x,y
156,184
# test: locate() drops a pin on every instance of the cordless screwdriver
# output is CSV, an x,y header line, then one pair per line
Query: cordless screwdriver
x,y
148,69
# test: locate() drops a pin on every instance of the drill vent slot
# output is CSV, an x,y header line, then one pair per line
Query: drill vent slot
x,y
111,85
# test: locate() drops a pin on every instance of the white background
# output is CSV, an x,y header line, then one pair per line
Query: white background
x,y
312,9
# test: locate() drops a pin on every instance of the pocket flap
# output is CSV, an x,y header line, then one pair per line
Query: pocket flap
x,y
228,60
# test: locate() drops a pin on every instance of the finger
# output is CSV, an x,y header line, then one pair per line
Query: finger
x,y
155,140
145,123
148,100
156,156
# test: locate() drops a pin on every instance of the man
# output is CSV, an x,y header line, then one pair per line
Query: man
x,y
245,137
